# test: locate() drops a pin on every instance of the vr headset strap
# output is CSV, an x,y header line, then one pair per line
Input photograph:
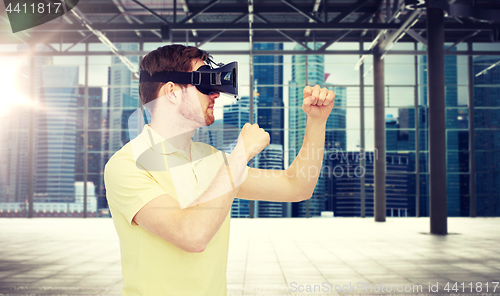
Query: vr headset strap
x,y
194,78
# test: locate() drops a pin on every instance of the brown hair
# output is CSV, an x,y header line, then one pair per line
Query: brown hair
x,y
174,57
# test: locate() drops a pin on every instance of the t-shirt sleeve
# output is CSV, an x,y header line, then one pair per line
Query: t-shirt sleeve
x,y
129,187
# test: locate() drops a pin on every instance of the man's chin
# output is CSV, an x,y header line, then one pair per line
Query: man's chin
x,y
209,120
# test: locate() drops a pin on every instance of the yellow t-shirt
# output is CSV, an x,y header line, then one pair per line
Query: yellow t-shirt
x,y
135,175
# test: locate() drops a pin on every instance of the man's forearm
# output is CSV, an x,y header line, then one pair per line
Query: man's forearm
x,y
205,219
206,215
305,169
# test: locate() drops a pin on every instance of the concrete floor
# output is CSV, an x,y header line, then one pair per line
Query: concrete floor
x,y
72,256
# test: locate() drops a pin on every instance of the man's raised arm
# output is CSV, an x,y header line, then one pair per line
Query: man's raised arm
x,y
192,228
298,181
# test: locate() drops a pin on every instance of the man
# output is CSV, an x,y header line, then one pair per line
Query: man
x,y
170,198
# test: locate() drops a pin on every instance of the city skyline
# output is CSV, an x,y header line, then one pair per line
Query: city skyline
x,y
120,95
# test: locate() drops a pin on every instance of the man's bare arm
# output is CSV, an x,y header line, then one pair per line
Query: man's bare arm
x,y
192,228
295,183
298,181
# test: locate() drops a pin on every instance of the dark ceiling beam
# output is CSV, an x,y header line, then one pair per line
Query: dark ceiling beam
x,y
197,13
210,38
341,35
116,16
84,21
314,10
377,19
187,11
260,17
474,12
117,27
294,40
304,13
393,36
151,11
257,52
369,18
395,6
275,7
336,38
217,34
239,18
90,35
138,33
342,16
78,42
463,39
51,47
320,37
228,36
415,35
266,21
122,10
396,12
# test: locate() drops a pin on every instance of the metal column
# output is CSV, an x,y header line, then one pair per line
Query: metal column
x,y
85,133
437,121
31,134
379,134
472,147
362,133
417,141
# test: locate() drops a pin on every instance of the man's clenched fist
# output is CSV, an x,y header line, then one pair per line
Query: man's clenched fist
x,y
254,138
318,102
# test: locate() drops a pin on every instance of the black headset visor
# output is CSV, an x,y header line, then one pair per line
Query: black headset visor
x,y
207,80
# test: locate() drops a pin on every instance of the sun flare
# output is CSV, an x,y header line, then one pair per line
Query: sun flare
x,y
11,81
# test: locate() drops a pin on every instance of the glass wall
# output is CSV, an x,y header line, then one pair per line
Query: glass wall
x,y
62,121
487,131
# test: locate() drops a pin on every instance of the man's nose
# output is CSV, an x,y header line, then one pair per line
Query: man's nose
x,y
214,95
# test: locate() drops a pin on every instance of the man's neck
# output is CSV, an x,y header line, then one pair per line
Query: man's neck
x,y
177,137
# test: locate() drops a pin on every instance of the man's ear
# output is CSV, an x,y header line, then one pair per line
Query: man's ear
x,y
168,90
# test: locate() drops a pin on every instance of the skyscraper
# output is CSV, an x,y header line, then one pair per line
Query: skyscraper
x,y
56,135
268,80
315,74
13,155
335,137
15,132
306,70
345,172
271,158
94,142
268,76
234,118
487,136
451,102
123,97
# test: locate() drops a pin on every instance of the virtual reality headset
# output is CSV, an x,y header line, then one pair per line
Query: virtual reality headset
x,y
207,80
